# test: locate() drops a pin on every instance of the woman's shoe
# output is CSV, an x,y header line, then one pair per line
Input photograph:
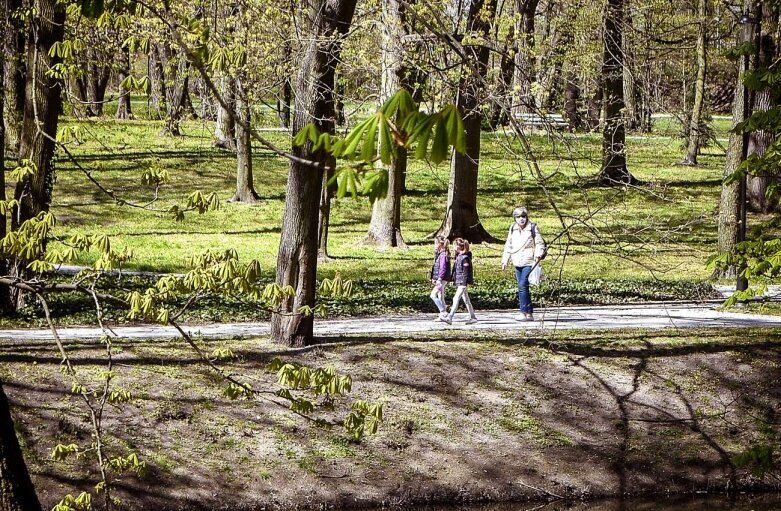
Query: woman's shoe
x,y
529,317
471,321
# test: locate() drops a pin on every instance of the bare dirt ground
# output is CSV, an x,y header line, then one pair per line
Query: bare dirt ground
x,y
503,417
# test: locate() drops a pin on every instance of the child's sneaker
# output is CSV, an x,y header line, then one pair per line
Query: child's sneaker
x,y
471,321
446,319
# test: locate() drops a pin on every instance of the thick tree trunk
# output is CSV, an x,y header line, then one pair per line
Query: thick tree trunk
x,y
245,187
96,87
176,69
41,111
764,100
124,108
14,76
385,226
614,169
572,102
729,203
17,492
225,129
329,20
6,305
461,217
525,72
695,120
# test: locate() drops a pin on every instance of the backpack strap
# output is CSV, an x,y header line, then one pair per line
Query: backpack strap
x,y
534,230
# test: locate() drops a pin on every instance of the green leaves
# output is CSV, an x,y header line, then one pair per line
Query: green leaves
x,y
70,503
397,124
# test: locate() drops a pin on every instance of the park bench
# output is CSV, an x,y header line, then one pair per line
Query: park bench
x,y
535,120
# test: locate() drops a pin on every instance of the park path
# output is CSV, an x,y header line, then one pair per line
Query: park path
x,y
644,316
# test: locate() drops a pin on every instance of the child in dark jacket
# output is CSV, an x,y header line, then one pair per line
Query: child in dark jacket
x,y
440,273
463,276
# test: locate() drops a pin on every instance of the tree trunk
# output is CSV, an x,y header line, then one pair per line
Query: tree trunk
x,y
14,76
500,109
245,187
96,86
283,105
572,102
461,217
524,56
124,108
729,203
175,72
594,107
225,129
157,75
41,111
695,120
614,169
385,226
764,100
631,109
6,305
17,492
329,20
324,215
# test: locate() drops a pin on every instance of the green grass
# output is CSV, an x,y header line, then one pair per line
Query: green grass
x,y
649,242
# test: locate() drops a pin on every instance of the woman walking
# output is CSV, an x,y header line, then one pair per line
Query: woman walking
x,y
525,247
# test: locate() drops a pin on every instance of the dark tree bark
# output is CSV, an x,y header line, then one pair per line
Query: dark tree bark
x,y
500,114
176,70
729,202
385,226
41,110
594,107
17,492
572,102
245,187
614,169
283,104
461,217
764,99
6,305
695,119
329,20
124,108
525,72
225,129
14,63
157,75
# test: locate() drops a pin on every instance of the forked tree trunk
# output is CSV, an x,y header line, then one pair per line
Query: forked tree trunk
x,y
461,217
614,169
385,225
124,108
695,120
525,72
729,202
14,79
17,492
329,20
764,100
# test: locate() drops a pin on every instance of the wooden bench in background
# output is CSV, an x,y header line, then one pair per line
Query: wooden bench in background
x,y
555,121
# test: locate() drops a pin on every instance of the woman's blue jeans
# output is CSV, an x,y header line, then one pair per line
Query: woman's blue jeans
x,y
524,296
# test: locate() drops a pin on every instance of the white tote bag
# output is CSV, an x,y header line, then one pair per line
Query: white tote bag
x,y
536,276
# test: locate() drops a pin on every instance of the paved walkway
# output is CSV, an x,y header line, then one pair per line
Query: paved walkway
x,y
645,316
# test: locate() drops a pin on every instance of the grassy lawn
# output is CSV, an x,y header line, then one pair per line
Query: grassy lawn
x,y
609,244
